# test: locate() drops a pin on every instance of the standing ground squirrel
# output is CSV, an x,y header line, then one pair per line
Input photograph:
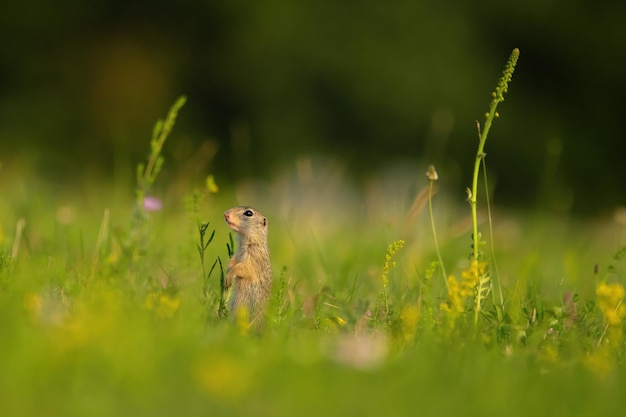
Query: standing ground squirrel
x,y
249,270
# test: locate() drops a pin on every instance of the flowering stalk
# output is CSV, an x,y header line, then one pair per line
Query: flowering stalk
x,y
388,266
498,97
146,175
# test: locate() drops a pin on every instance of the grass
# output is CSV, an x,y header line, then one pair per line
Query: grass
x,y
361,322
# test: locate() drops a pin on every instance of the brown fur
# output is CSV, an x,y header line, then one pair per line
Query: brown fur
x,y
249,271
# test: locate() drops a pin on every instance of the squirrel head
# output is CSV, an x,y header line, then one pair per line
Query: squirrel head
x,y
249,223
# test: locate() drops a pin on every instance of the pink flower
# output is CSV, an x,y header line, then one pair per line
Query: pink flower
x,y
152,204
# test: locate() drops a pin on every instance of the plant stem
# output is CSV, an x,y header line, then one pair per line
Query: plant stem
x,y
498,96
493,251
432,177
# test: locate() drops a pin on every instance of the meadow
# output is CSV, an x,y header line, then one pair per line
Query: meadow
x,y
385,299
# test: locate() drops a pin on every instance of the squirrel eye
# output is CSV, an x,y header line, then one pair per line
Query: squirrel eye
x,y
248,213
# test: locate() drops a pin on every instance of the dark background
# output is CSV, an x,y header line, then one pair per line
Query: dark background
x,y
368,82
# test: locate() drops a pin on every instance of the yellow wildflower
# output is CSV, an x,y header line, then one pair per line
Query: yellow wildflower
x,y
164,306
471,277
610,301
456,299
460,292
389,264
410,315
455,305
600,361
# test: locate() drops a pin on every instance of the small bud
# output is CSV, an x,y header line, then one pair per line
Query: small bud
x,y
432,173
211,185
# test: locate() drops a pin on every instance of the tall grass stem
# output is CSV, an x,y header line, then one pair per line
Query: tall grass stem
x,y
432,177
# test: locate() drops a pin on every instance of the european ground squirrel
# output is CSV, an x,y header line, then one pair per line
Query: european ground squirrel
x,y
249,270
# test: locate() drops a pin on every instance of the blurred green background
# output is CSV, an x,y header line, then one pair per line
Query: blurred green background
x,y
369,83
